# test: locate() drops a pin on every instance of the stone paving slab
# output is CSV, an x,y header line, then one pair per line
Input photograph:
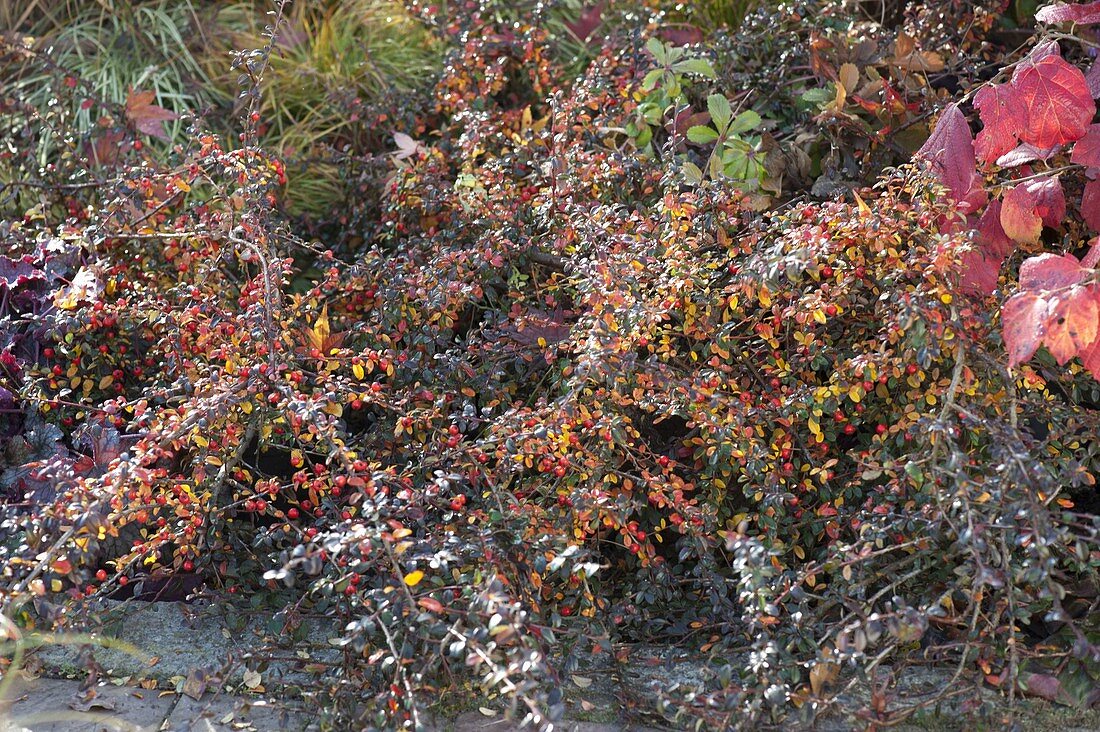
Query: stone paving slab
x,y
55,705
232,714
477,722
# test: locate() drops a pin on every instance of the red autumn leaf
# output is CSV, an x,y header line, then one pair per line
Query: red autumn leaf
x,y
1093,257
1083,14
1051,272
146,116
981,266
1090,204
991,235
980,272
1092,78
1090,358
1021,155
590,19
1087,150
950,149
1050,201
1056,98
1001,115
1071,324
1020,220
1022,321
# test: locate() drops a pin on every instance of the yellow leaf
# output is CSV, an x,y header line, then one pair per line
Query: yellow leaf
x,y
413,578
320,331
106,381
358,371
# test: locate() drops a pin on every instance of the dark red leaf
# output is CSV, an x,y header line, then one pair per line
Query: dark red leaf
x,y
1092,78
1087,150
1022,320
1023,154
1090,204
590,19
950,149
1050,201
981,267
1083,14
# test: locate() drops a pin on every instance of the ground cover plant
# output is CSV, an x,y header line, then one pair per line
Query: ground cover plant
x,y
500,335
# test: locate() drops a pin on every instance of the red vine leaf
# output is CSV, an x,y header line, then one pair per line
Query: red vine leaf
x,y
1084,14
1050,201
1020,220
1022,320
1001,116
1047,103
1087,150
982,266
1092,78
950,150
1021,155
1058,104
1090,204
1051,272
146,116
1071,326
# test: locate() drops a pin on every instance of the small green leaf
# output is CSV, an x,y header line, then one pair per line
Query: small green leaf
x,y
744,122
698,66
649,83
658,50
720,112
701,134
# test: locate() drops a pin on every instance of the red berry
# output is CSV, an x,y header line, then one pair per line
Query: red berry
x,y
188,566
292,513
101,575
881,429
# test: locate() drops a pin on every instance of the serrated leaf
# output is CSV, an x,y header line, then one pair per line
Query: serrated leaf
x,y
744,122
649,82
698,66
701,134
720,111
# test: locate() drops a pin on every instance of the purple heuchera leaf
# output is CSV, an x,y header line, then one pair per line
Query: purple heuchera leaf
x,y
16,272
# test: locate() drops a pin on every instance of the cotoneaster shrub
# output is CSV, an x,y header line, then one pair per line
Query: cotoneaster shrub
x,y
546,395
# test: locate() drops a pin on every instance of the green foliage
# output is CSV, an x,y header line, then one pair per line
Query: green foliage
x,y
109,49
